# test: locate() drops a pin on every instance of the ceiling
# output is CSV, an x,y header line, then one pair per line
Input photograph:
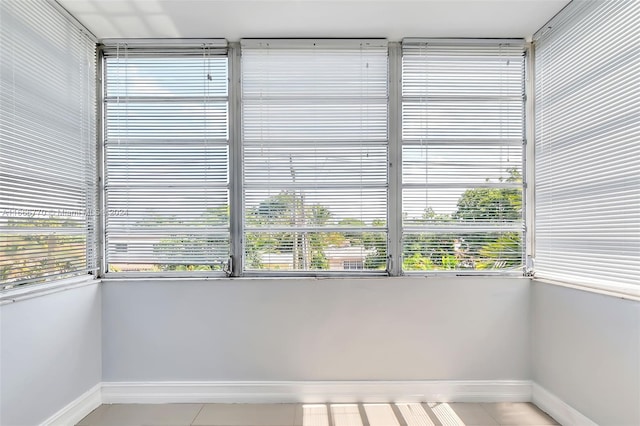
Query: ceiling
x,y
235,19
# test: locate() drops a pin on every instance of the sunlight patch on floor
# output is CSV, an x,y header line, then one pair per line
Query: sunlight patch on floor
x,y
445,414
414,414
380,415
315,415
346,415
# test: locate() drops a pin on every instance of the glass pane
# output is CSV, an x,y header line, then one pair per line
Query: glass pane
x,y
462,251
316,251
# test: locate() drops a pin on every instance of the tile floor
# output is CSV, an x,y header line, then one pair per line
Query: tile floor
x,y
396,414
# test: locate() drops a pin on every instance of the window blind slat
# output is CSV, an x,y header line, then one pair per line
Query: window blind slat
x,y
587,152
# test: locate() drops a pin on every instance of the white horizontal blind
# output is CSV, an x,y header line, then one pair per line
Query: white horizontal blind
x,y
47,145
315,154
462,155
587,81
166,156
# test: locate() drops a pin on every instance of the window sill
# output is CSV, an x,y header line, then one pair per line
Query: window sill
x,y
287,275
304,279
200,275
620,292
36,290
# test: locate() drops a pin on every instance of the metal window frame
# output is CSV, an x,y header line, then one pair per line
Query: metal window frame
x,y
529,198
169,46
527,151
100,163
394,165
393,103
236,154
394,173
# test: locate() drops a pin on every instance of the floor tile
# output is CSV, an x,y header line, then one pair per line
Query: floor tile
x,y
472,414
400,414
346,415
381,415
94,417
312,415
517,413
246,415
147,415
443,414
298,415
416,414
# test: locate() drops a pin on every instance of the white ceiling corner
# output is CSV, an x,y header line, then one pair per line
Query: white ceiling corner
x,y
235,19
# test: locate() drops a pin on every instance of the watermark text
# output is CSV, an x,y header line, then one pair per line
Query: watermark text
x,y
51,213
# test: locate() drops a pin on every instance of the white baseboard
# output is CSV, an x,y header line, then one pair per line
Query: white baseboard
x,y
77,409
562,412
317,391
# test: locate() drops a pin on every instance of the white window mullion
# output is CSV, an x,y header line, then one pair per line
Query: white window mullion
x,y
235,161
395,159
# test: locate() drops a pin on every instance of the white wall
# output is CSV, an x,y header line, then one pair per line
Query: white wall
x,y
316,329
50,353
586,351
583,347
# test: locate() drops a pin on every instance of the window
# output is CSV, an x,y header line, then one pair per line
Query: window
x,y
462,155
307,175
47,146
353,264
315,145
587,146
166,143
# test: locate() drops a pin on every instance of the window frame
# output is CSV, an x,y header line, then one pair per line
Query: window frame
x,y
173,47
338,44
524,270
394,179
